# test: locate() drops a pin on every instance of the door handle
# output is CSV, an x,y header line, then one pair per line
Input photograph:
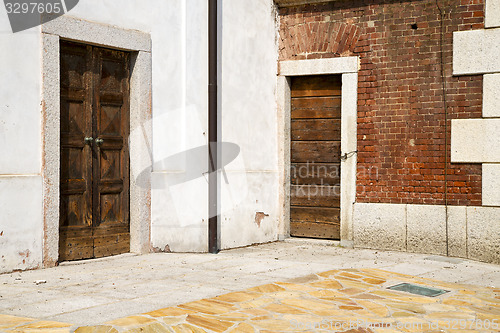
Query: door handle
x,y
88,140
99,142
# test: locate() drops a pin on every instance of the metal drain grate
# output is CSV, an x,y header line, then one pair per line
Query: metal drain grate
x,y
418,290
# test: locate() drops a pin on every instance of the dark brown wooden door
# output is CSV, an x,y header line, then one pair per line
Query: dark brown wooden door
x,y
94,190
315,156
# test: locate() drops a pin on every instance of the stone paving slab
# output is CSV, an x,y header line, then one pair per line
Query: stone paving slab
x,y
96,291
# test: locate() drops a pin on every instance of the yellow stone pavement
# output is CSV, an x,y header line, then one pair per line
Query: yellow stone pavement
x,y
349,300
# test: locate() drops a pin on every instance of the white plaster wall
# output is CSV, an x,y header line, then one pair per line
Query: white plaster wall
x,y
178,31
179,212
20,142
249,119
19,101
20,222
179,47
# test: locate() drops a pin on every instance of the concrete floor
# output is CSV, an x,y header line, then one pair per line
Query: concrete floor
x,y
95,291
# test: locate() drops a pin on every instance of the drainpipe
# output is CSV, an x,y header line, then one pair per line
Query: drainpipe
x,y
213,220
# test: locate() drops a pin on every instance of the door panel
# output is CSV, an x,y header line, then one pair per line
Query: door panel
x,y
315,156
316,214
111,172
315,151
75,241
316,107
316,230
316,86
94,178
316,129
307,174
315,196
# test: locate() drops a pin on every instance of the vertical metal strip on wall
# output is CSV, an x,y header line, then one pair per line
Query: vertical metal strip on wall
x,y
213,232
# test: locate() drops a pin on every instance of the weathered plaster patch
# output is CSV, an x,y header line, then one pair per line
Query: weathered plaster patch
x,y
259,216
238,225
166,249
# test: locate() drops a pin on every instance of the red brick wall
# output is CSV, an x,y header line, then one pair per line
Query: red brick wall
x,y
401,117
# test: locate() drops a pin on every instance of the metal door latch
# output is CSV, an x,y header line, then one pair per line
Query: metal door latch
x,y
88,140
347,155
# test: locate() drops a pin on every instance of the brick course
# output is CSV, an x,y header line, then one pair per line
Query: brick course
x,y
401,118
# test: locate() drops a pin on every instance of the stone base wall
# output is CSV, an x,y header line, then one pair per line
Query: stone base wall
x,y
457,231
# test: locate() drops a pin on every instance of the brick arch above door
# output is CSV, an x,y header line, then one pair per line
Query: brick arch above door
x,y
320,39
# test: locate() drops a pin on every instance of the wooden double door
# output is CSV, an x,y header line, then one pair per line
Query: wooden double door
x,y
94,170
315,156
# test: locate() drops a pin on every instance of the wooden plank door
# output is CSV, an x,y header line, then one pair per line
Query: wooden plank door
x,y
75,207
94,173
111,161
315,156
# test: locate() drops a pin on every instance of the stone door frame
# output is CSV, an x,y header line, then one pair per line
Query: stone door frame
x,y
348,67
139,44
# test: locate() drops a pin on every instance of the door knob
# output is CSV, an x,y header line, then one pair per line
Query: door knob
x,y
88,140
99,141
